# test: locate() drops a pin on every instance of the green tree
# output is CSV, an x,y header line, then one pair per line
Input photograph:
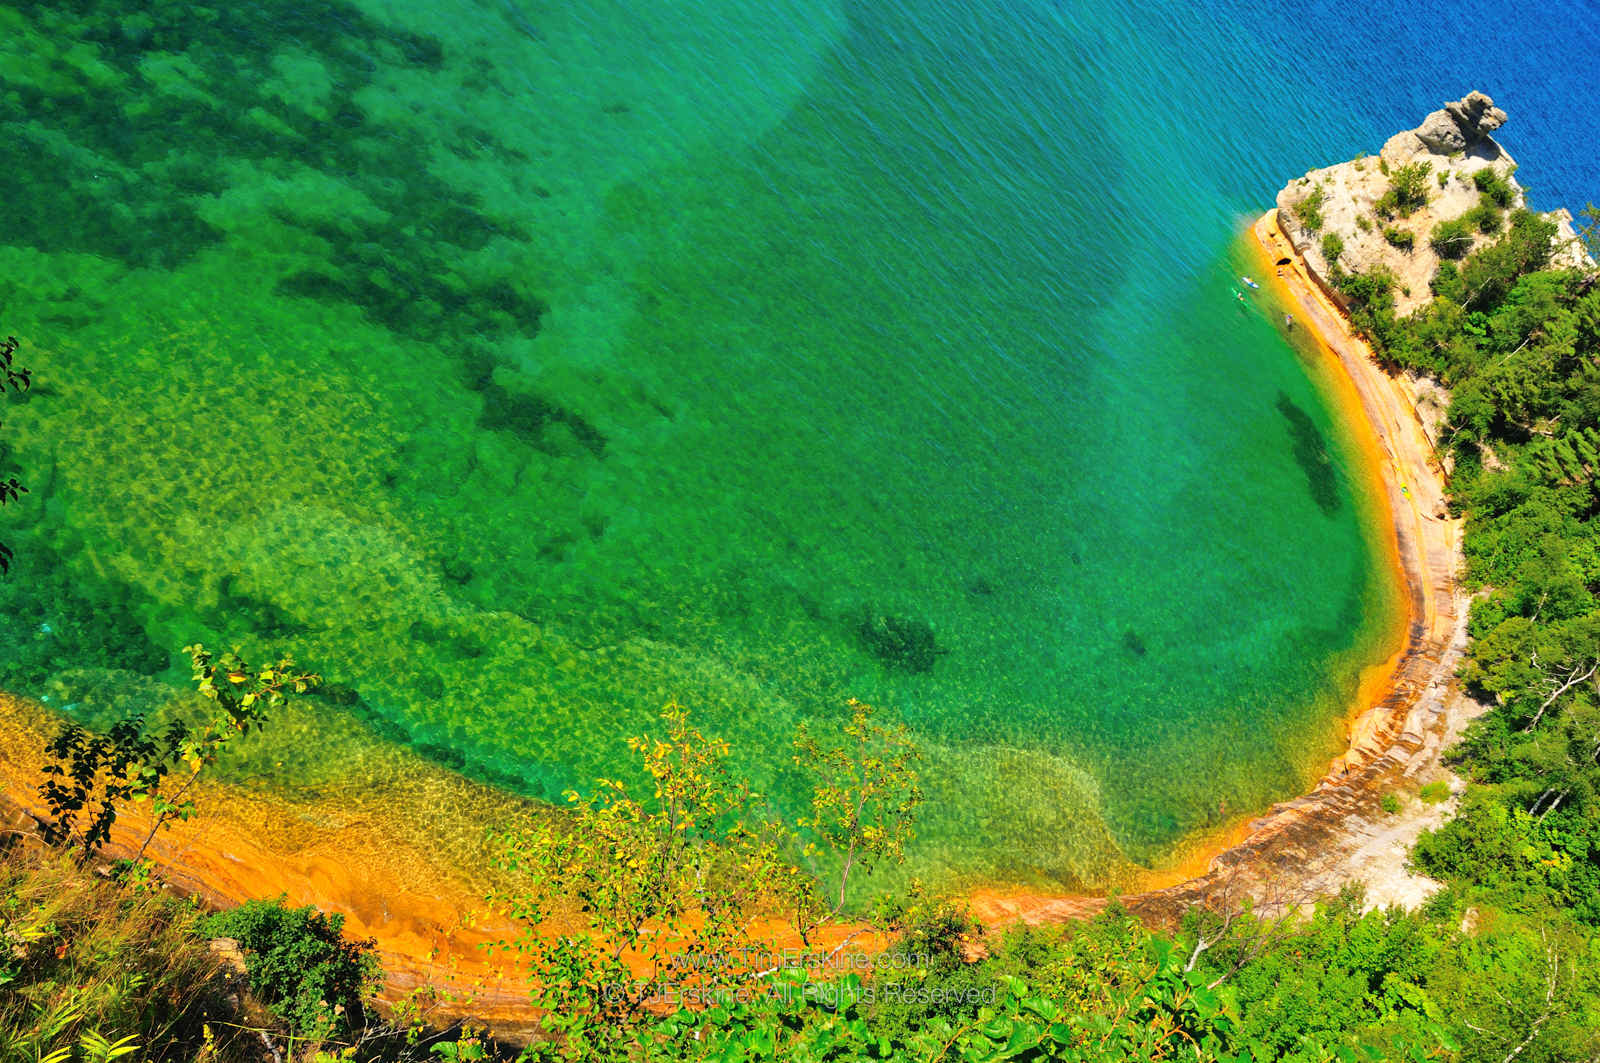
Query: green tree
x,y
1371,302
1589,230
1451,239
1309,209
863,807
626,902
1495,186
1404,239
629,902
1486,217
1407,191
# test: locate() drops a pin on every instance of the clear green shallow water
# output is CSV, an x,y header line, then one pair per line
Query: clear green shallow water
x,y
522,367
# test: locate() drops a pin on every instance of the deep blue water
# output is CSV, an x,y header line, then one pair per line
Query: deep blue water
x,y
1287,88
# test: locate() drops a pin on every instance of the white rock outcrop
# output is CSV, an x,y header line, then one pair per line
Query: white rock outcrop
x,y
1455,142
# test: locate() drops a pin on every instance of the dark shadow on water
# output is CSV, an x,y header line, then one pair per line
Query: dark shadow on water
x,y
900,642
132,184
55,617
1311,454
534,420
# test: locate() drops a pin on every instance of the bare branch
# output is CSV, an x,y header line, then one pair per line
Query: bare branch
x,y
1554,958
1572,680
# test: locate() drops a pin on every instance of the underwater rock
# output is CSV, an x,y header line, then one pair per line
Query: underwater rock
x,y
900,642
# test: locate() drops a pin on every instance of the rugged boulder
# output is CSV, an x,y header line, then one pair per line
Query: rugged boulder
x,y
1461,124
1456,129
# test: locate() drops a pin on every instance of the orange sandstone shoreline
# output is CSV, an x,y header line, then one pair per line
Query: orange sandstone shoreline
x,y
428,920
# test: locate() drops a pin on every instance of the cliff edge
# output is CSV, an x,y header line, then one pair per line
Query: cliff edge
x,y
1433,193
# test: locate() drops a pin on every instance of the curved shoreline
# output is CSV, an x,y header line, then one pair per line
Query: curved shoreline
x,y
1337,832
1405,715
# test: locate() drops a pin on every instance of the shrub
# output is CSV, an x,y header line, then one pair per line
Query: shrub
x,y
1436,792
1451,239
1490,274
927,969
1408,190
1485,217
1368,289
1444,178
1364,223
1490,845
84,961
300,965
1309,209
1332,247
1371,297
1447,283
1390,803
1494,186
1404,239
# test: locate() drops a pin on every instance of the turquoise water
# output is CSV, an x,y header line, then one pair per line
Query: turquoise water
x,y
523,366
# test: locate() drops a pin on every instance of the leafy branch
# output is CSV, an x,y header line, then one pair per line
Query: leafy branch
x,y
863,807
15,379
92,777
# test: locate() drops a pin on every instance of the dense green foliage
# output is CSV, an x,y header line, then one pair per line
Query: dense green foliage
x,y
300,965
85,965
1339,985
1404,239
1519,346
1494,186
1451,239
94,969
1486,217
670,883
1371,299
